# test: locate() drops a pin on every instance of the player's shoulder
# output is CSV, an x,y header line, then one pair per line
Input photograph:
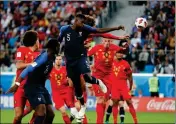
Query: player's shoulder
x,y
99,46
115,47
65,27
63,68
125,62
22,48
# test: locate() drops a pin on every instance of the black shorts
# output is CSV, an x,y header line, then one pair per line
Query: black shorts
x,y
154,94
79,66
37,96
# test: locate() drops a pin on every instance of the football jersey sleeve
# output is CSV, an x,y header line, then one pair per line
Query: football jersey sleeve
x,y
92,51
39,61
20,55
128,69
61,34
89,29
117,48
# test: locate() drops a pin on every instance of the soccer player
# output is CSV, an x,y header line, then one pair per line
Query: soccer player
x,y
62,92
24,57
34,88
103,58
110,108
76,62
122,72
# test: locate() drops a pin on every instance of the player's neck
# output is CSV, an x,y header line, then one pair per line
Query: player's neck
x,y
32,48
119,59
73,27
57,67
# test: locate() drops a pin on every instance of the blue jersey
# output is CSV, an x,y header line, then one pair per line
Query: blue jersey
x,y
74,40
39,70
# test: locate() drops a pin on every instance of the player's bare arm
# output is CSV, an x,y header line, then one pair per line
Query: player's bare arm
x,y
21,65
105,30
130,78
110,36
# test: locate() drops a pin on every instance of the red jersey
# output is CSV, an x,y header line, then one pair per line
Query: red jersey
x,y
120,72
58,79
26,55
103,57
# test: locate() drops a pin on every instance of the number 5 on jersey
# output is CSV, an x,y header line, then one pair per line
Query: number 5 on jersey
x,y
68,37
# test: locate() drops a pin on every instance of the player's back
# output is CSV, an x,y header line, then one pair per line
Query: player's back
x,y
39,75
25,55
74,42
58,78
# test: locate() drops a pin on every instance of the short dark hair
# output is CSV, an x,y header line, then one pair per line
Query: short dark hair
x,y
90,21
30,38
53,44
81,16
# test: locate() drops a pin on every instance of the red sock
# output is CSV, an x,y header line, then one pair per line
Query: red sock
x,y
133,113
115,113
100,110
32,119
66,119
16,121
85,120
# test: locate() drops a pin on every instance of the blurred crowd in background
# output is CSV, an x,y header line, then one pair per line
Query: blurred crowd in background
x,y
150,50
153,49
45,17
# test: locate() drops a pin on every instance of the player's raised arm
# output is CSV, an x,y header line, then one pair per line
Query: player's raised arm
x,y
39,61
109,36
101,30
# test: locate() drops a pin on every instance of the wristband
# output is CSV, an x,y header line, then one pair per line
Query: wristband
x,y
17,83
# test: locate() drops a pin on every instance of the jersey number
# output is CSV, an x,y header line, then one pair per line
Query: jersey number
x,y
68,37
58,83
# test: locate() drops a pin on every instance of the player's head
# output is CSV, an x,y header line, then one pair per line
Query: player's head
x,y
125,45
58,60
30,39
106,42
53,46
119,55
79,20
90,21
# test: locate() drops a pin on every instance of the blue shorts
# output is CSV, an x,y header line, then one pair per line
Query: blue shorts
x,y
79,66
37,95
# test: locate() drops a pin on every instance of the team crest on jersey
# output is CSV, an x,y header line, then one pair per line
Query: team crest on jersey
x,y
18,54
116,70
80,33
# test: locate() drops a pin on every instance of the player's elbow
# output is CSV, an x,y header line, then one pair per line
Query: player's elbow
x,y
19,65
98,30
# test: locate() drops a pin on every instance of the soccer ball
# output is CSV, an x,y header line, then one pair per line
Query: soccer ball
x,y
141,23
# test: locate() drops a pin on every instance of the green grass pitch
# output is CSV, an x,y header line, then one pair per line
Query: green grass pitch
x,y
7,117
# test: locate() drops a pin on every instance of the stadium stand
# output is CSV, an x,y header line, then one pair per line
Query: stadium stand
x,y
150,50
153,48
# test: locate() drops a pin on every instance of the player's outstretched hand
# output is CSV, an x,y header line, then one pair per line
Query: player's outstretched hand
x,y
13,89
125,37
121,27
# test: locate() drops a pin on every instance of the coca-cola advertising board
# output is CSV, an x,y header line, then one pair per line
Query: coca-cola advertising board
x,y
148,104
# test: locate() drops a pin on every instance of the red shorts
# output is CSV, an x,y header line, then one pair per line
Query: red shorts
x,y
99,92
106,80
20,99
84,96
118,92
64,98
